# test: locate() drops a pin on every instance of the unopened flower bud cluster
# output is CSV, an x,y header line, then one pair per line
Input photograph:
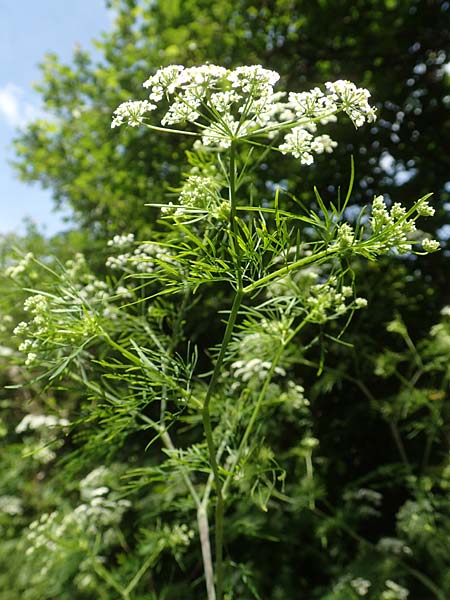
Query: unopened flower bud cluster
x,y
395,227
327,300
390,229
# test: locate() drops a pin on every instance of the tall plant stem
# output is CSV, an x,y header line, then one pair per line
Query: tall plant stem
x,y
206,415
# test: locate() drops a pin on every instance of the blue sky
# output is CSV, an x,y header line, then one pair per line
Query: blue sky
x,y
29,29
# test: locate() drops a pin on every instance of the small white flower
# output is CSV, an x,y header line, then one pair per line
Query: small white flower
x,y
11,505
323,143
121,241
345,235
254,79
312,104
360,585
430,245
353,101
394,591
31,358
20,328
425,209
360,303
298,143
131,112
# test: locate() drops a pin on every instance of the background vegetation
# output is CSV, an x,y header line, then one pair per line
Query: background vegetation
x,y
379,403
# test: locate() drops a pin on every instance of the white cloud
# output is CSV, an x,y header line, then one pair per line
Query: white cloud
x,y
14,109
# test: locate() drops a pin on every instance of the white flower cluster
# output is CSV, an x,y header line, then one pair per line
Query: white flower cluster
x,y
364,502
345,235
44,436
11,505
176,535
300,143
121,241
430,245
255,348
290,396
5,323
353,100
132,113
20,267
219,135
94,481
312,105
99,515
254,80
398,227
394,591
230,104
144,258
255,368
36,328
87,289
39,422
360,585
392,545
46,326
197,80
364,495
296,395
416,519
76,266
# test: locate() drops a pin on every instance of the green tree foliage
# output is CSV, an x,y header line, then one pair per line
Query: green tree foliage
x,y
396,49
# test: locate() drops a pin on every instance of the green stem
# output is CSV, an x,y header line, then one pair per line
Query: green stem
x,y
107,578
206,415
314,258
140,573
211,446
